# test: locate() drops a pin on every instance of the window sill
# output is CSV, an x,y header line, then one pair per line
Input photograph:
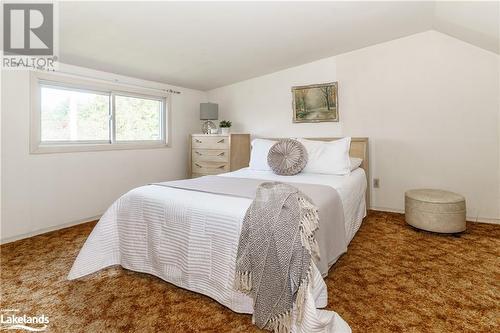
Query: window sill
x,y
74,148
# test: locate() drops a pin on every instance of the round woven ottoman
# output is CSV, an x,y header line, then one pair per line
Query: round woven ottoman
x,y
435,210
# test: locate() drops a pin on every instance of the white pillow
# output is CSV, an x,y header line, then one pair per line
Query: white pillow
x,y
355,163
258,156
331,157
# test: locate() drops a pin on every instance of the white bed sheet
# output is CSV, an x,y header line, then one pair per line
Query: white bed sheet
x,y
191,238
351,188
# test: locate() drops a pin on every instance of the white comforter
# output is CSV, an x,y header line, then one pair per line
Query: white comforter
x,y
191,238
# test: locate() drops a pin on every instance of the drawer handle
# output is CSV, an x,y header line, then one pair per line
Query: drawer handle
x,y
221,154
220,141
221,167
198,153
197,141
199,166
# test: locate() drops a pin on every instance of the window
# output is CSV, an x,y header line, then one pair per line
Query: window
x,y
137,118
76,115
71,116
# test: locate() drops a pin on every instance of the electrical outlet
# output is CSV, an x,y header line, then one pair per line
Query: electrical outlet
x,y
376,182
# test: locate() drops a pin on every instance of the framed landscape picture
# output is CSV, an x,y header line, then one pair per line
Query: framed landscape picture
x,y
315,103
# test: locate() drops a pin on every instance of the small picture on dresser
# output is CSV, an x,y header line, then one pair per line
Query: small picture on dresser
x,y
315,103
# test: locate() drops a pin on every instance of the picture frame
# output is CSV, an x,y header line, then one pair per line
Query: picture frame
x,y
315,103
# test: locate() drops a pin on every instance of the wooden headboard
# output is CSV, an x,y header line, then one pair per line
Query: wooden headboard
x,y
359,149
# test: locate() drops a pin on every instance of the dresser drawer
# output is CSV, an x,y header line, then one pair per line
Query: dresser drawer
x,y
218,153
210,142
209,168
210,155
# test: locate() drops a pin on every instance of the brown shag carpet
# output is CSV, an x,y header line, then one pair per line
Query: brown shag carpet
x,y
393,279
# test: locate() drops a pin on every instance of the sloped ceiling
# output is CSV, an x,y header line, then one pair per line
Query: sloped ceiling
x,y
474,22
204,45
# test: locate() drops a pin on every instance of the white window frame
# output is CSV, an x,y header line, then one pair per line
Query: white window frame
x,y
39,79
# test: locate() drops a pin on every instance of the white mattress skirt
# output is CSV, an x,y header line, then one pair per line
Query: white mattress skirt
x,y
189,239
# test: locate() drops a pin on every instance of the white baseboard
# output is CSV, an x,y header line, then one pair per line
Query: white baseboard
x,y
490,220
49,229
390,210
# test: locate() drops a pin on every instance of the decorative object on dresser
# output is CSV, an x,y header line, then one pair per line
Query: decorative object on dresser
x,y
224,126
435,210
209,112
315,103
214,154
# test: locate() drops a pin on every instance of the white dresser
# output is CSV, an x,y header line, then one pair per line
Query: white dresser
x,y
212,154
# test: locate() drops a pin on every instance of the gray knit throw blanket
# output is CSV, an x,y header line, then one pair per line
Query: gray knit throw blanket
x,y
275,254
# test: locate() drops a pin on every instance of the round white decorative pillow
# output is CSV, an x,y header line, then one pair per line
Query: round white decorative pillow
x,y
287,157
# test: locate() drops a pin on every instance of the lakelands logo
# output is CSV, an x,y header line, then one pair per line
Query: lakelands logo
x,y
28,36
10,319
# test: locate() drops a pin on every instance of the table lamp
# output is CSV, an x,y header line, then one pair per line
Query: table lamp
x,y
208,112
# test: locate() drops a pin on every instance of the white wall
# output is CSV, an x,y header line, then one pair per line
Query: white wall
x,y
428,103
47,191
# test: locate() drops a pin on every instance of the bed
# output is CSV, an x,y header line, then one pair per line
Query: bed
x,y
190,238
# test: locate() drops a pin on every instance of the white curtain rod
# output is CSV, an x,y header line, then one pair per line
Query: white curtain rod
x,y
170,91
